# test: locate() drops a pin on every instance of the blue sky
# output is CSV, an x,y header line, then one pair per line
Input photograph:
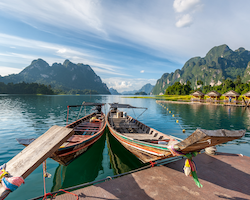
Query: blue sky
x,y
127,43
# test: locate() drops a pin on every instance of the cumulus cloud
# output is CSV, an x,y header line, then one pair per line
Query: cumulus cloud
x,y
184,21
185,5
186,8
128,84
142,71
4,71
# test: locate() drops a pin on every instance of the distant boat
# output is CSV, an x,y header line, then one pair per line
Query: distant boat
x,y
88,130
148,144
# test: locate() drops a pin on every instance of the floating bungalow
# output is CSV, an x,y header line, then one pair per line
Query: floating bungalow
x,y
246,99
197,96
246,95
213,96
231,97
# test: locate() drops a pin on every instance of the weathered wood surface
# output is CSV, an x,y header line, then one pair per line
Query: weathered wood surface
x,y
33,155
142,136
200,139
223,176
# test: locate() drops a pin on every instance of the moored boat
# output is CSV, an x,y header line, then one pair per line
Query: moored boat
x,y
87,130
148,144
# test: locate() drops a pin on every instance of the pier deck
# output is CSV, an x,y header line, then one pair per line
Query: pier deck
x,y
223,176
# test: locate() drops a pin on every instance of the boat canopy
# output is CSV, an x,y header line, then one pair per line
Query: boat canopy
x,y
118,105
88,104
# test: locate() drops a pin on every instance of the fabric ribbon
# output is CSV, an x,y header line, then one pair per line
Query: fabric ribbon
x,y
190,168
2,171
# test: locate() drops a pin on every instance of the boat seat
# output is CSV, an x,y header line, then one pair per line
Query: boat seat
x,y
140,136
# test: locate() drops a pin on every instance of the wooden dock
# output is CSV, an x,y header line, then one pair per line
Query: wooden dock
x,y
223,176
33,155
202,103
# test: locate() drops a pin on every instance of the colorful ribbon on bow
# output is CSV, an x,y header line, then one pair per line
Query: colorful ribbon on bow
x,y
190,168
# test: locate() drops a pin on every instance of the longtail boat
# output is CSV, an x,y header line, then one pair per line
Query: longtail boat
x,y
148,144
87,130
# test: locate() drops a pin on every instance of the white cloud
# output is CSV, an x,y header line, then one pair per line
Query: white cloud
x,y
186,8
125,84
4,71
185,5
142,71
63,13
56,53
184,21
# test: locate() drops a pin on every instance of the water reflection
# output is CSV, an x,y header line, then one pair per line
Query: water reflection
x,y
121,160
82,170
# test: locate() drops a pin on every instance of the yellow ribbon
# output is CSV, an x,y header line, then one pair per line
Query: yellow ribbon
x,y
2,173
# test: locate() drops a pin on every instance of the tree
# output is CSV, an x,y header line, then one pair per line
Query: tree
x,y
199,82
238,80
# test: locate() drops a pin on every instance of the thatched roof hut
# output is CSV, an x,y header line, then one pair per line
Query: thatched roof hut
x,y
247,94
231,93
213,94
198,94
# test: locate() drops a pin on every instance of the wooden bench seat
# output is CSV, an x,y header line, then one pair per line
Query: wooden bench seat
x,y
140,136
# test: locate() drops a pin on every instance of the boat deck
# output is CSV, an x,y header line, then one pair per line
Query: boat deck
x,y
135,130
223,176
87,128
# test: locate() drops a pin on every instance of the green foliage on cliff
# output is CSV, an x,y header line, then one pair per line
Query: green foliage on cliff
x,y
178,89
65,77
228,85
219,64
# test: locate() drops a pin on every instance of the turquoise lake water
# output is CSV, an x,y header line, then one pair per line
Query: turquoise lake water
x,y
27,116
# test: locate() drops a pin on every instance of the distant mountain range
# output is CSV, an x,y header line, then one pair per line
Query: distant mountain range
x,y
218,64
64,76
113,91
146,88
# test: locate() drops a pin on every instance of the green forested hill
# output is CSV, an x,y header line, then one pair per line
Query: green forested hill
x,y
66,76
218,64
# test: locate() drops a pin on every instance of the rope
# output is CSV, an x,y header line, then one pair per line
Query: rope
x,y
177,121
45,175
152,164
161,162
70,193
44,184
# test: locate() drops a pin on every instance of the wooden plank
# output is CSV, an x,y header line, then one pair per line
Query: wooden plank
x,y
139,136
33,155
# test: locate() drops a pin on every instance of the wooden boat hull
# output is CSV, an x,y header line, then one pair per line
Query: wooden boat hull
x,y
86,134
148,144
65,155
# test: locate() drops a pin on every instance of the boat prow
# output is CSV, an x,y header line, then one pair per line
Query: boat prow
x,y
201,139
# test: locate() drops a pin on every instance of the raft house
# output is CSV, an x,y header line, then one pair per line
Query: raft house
x,y
197,96
231,97
213,97
246,98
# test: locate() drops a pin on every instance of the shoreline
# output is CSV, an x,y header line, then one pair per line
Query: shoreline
x,y
199,103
